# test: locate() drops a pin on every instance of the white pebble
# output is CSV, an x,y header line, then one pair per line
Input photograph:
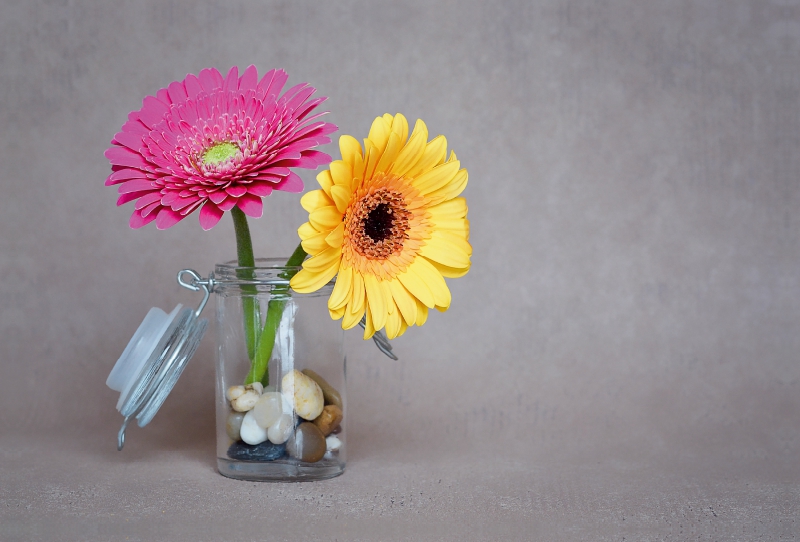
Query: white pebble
x,y
248,399
333,443
280,431
251,432
268,409
307,395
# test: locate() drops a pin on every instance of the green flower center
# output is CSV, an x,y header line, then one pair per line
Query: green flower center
x,y
220,152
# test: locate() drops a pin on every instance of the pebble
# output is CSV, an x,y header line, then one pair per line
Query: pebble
x,y
307,444
333,443
268,409
330,394
329,420
234,424
281,430
247,399
308,398
266,451
251,432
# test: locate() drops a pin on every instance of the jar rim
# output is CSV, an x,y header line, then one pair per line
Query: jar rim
x,y
266,272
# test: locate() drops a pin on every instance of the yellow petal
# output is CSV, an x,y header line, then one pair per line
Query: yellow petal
x,y
376,302
393,322
323,260
350,149
450,272
403,328
433,280
341,173
416,287
436,178
306,230
451,190
325,218
373,155
316,243
458,240
351,319
392,150
359,294
369,328
336,314
454,208
404,301
440,249
379,133
411,152
315,199
336,237
341,197
306,282
457,226
400,127
358,172
325,181
435,153
422,313
341,290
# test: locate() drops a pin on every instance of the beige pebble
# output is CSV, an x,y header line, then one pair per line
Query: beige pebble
x,y
247,400
330,394
307,395
234,392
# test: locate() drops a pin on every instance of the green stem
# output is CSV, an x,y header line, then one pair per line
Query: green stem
x,y
244,253
266,342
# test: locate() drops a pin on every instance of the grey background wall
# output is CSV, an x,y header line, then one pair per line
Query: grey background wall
x,y
625,343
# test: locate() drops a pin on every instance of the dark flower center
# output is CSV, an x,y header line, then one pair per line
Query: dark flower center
x,y
378,223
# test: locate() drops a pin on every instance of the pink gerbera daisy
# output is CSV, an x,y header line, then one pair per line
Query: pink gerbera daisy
x,y
214,143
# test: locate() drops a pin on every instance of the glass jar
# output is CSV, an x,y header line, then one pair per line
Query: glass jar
x,y
281,403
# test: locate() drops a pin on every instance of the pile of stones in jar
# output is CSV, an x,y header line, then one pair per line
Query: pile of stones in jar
x,y
301,420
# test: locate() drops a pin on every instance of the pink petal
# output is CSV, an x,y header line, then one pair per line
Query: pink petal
x,y
137,220
228,204
167,218
147,199
273,82
210,215
136,185
122,156
153,111
211,79
218,197
193,86
163,95
251,205
129,140
291,183
301,97
232,80
236,190
125,198
260,189
135,127
124,174
289,94
147,210
183,202
249,78
177,92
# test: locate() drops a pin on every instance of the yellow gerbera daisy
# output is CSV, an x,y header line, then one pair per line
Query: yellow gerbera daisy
x,y
389,222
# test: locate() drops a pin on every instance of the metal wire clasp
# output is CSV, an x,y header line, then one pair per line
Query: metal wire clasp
x,y
196,284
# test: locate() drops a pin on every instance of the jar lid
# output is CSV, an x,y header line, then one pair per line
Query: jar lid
x,y
154,359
